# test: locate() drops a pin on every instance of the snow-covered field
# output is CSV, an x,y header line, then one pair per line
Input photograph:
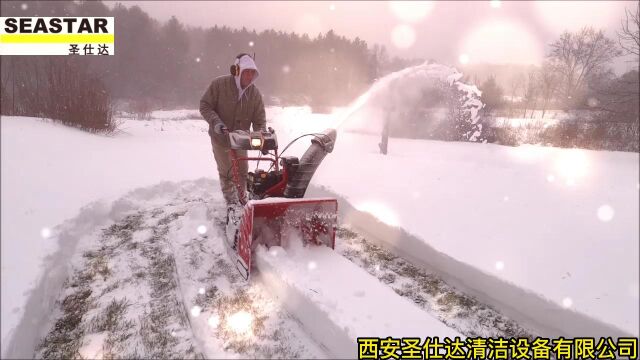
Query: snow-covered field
x,y
528,220
544,240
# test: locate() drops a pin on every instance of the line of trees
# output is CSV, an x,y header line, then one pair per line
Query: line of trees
x,y
576,74
168,65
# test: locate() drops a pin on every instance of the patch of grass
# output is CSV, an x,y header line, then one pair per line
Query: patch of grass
x,y
65,339
388,278
171,217
125,228
156,212
345,233
99,266
431,284
428,291
409,292
109,288
155,337
155,331
208,299
112,317
227,306
450,301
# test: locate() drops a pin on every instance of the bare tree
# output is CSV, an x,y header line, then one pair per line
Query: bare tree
x,y
629,36
548,84
491,94
516,83
531,92
617,97
579,55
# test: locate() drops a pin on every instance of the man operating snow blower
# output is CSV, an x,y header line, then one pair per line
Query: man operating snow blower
x,y
264,207
232,102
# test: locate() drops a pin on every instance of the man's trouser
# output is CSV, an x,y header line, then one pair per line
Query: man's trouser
x,y
223,161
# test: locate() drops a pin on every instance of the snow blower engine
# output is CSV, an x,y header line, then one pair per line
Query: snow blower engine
x,y
273,208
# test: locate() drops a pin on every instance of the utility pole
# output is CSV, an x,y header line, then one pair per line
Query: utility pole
x,y
384,142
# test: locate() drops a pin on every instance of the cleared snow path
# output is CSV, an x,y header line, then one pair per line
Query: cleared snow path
x,y
152,279
156,283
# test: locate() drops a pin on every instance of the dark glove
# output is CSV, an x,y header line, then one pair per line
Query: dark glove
x,y
220,129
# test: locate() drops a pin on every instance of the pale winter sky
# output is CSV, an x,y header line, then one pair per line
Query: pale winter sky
x,y
447,31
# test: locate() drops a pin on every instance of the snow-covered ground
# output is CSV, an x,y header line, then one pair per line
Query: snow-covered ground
x,y
546,228
550,221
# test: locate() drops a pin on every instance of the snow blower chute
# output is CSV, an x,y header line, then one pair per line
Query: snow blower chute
x,y
273,208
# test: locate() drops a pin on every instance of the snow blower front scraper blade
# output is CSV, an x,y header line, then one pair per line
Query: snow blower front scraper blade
x,y
276,212
275,223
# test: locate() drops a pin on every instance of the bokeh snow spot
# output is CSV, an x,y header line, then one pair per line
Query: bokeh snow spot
x,y
240,322
45,233
201,291
195,311
499,265
410,11
605,213
403,36
567,302
214,321
551,178
202,229
312,265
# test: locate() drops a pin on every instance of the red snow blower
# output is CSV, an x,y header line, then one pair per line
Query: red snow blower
x,y
273,208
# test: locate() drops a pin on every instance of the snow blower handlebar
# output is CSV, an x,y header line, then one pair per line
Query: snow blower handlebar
x,y
293,180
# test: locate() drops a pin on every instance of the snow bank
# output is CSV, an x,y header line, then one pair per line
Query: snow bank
x,y
337,301
540,314
552,222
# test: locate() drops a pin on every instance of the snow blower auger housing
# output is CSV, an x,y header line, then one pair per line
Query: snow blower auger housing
x,y
273,208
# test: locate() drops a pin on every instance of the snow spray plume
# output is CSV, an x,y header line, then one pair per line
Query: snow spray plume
x,y
404,89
